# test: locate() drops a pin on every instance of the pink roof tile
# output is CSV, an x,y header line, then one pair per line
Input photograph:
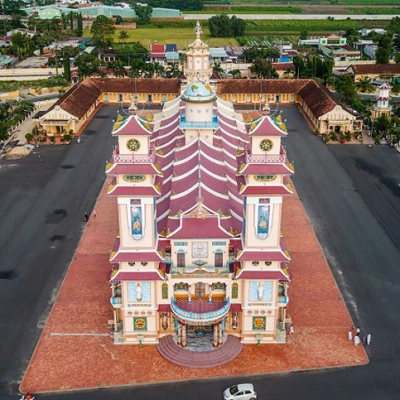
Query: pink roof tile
x,y
266,127
133,191
198,228
122,169
134,125
274,255
137,276
132,256
245,274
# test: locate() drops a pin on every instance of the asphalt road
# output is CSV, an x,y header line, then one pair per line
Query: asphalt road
x,y
351,194
42,201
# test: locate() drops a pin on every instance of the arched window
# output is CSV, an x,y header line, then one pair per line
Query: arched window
x,y
219,258
181,258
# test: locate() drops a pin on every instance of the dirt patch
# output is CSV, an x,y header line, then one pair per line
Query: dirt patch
x,y
307,9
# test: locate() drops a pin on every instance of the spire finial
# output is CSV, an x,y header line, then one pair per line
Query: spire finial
x,y
198,30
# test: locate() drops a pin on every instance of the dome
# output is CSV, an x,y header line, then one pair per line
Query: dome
x,y
198,91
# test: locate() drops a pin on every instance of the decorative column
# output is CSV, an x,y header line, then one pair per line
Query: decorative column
x,y
215,341
179,333
219,333
183,335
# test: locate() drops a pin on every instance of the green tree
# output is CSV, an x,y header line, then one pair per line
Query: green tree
x,y
264,69
102,31
236,73
67,68
143,14
364,85
3,130
303,35
79,25
123,36
220,26
346,88
384,50
172,71
238,26
382,125
88,65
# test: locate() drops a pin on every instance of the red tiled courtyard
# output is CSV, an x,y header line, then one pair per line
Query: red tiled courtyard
x,y
75,350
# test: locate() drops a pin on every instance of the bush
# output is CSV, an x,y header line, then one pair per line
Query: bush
x,y
333,136
28,137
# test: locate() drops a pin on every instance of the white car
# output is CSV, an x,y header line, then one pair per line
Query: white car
x,y
243,391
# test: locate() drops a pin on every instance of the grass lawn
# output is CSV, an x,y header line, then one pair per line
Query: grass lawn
x,y
179,36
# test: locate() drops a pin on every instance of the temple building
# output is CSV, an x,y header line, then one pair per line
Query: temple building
x,y
199,254
382,105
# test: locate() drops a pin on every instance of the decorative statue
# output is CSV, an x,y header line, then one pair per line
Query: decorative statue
x,y
164,321
260,290
138,292
210,294
189,295
235,320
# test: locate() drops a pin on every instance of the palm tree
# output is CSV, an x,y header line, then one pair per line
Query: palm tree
x,y
159,70
236,74
288,73
172,71
122,36
364,85
217,68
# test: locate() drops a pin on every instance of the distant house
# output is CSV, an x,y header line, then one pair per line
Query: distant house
x,y
171,54
218,55
49,13
378,72
365,32
107,55
335,47
24,31
157,53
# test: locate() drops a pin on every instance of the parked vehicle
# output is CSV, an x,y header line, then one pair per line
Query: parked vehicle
x,y
243,391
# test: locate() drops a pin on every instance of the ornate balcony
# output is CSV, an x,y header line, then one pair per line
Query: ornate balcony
x,y
202,312
209,269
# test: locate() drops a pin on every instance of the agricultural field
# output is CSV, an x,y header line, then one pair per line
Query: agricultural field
x,y
376,7
181,32
182,37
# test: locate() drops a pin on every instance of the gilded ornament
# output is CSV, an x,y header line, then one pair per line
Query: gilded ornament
x,y
266,145
133,144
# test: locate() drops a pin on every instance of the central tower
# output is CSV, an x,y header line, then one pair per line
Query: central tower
x,y
198,60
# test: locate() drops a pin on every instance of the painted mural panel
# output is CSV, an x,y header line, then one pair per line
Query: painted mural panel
x,y
136,219
139,292
260,291
263,218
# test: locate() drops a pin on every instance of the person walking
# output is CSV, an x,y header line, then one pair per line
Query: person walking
x,y
368,340
358,330
86,217
357,340
350,334
291,330
94,213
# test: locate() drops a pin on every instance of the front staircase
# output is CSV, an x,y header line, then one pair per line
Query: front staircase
x,y
196,359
